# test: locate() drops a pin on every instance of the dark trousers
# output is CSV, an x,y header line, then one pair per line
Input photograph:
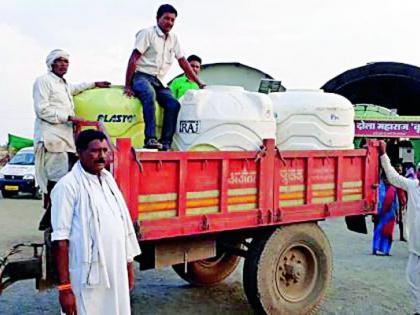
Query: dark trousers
x,y
45,222
401,223
149,89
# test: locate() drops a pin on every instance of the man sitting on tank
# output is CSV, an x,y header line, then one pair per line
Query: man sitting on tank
x,y
154,50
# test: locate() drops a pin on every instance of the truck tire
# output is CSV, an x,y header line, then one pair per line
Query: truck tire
x,y
208,272
289,270
8,194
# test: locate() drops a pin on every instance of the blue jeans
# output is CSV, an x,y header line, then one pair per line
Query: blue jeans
x,y
148,89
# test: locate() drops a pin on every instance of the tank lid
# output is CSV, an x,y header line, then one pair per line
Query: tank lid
x,y
225,88
305,91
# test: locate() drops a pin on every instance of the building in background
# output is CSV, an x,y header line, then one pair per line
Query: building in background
x,y
232,73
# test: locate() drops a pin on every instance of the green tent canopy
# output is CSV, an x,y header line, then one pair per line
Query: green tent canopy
x,y
16,143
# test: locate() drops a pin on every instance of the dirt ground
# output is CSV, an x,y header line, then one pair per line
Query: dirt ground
x,y
362,283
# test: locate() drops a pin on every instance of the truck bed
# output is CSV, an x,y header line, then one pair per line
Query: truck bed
x,y
174,194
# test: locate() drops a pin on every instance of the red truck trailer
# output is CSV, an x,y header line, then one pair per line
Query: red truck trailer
x,y
200,212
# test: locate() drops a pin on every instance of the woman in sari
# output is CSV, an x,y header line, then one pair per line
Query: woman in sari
x,y
385,219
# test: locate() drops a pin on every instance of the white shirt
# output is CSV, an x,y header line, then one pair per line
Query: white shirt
x,y
411,186
157,51
68,222
53,104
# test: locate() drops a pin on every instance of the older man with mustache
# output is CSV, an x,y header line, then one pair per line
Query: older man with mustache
x,y
94,238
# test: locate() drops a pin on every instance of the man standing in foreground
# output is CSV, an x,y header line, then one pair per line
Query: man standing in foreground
x,y
153,54
93,234
53,136
181,85
412,187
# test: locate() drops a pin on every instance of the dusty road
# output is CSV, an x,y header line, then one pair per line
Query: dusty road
x,y
362,283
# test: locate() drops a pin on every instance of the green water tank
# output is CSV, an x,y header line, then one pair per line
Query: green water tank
x,y
121,115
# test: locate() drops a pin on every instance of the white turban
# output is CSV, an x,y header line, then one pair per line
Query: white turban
x,y
54,55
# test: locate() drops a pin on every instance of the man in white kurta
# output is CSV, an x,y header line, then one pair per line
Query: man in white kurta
x,y
53,132
412,187
89,212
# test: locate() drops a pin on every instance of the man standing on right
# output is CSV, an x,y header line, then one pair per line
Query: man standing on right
x,y
181,85
153,54
412,187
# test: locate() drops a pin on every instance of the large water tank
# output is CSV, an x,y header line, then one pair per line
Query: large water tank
x,y
313,120
224,118
121,115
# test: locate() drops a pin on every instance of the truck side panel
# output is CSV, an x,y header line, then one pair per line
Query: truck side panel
x,y
188,193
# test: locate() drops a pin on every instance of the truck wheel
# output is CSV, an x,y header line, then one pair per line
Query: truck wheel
x,y
8,194
208,272
289,270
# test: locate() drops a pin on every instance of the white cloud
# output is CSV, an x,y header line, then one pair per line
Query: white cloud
x,y
18,70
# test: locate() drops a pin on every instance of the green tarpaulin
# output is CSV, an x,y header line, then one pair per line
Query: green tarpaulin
x,y
16,143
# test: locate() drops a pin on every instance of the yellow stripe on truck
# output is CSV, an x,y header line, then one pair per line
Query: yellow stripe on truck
x,y
202,202
353,197
202,194
145,207
157,215
289,203
242,199
323,193
349,191
242,207
292,196
352,184
157,197
242,191
323,186
201,210
291,188
323,200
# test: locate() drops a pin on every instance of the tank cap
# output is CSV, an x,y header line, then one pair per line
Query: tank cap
x,y
305,90
225,88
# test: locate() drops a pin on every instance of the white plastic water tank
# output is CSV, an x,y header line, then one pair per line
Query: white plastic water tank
x,y
313,120
224,118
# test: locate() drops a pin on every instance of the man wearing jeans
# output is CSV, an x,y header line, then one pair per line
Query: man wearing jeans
x,y
153,54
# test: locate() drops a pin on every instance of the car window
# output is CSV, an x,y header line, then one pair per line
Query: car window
x,y
23,159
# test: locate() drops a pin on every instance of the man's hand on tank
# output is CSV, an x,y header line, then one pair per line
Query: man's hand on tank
x,y
201,85
76,120
102,84
382,147
68,302
128,91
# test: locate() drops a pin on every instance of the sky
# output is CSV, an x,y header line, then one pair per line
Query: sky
x,y
303,43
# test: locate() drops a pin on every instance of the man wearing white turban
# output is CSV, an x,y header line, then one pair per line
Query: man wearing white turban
x,y
53,135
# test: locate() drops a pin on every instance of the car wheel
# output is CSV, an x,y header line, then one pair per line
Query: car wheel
x,y
37,194
8,194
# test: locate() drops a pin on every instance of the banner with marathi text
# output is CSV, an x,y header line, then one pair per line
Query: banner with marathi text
x,y
387,128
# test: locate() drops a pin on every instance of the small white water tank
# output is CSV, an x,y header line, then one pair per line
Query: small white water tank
x,y
225,118
313,120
